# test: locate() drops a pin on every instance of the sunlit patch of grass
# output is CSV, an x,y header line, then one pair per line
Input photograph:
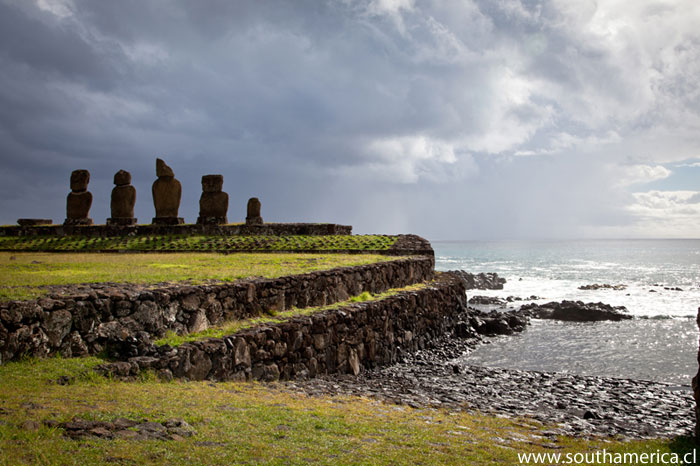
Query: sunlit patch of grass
x,y
229,328
22,274
251,423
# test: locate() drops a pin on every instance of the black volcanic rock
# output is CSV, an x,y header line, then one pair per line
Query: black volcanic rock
x,y
125,429
576,311
490,323
604,286
487,301
481,281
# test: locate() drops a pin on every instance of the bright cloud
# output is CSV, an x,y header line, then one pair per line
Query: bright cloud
x,y
636,174
410,159
689,165
674,212
60,8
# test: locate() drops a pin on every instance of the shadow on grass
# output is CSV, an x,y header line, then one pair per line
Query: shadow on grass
x,y
683,446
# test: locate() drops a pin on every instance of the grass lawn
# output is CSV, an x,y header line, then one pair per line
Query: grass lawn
x,y
23,273
203,243
249,423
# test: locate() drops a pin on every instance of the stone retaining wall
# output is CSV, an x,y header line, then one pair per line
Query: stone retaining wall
x,y
344,340
85,320
189,229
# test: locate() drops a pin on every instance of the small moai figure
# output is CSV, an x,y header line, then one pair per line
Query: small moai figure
x,y
213,204
123,200
79,200
166,196
253,216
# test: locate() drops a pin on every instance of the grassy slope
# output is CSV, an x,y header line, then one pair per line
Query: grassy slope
x,y
245,423
22,273
198,243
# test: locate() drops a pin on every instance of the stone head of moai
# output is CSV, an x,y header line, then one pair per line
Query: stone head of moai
x,y
212,183
253,212
163,170
122,178
213,204
79,199
79,180
123,200
166,195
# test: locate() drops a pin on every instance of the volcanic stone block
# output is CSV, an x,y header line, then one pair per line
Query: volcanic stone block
x,y
79,200
166,195
30,222
253,216
123,200
213,204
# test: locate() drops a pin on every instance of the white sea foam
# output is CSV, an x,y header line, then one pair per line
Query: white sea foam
x,y
661,347
651,271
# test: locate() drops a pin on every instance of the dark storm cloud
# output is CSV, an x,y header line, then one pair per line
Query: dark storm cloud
x,y
52,51
446,118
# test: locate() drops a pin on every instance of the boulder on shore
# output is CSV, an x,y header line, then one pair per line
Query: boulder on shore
x,y
477,323
604,286
481,281
488,301
576,311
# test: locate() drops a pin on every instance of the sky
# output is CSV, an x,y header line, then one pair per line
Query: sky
x,y
464,119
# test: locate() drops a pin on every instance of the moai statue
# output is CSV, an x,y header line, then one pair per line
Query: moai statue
x,y
166,196
253,217
79,200
213,204
123,200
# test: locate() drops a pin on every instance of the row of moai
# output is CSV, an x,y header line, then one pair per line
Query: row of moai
x,y
166,190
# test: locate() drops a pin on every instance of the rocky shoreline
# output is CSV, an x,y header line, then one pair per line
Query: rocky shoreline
x,y
568,404
573,405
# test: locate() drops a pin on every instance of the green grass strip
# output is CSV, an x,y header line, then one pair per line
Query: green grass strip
x,y
170,243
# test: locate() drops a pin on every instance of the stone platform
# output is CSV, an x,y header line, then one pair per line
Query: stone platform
x,y
176,229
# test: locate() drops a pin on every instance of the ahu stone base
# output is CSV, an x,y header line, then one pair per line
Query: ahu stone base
x,y
122,221
168,221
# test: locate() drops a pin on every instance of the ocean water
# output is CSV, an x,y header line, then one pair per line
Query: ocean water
x,y
661,343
